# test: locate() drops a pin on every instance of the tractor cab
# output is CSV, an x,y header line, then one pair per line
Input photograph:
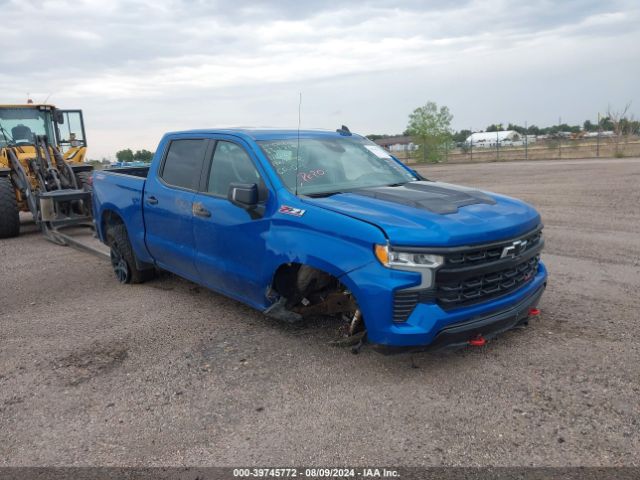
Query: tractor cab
x,y
42,169
64,129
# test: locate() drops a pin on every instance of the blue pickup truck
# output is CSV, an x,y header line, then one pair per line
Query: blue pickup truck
x,y
307,223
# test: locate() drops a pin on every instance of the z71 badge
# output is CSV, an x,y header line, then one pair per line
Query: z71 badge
x,y
296,212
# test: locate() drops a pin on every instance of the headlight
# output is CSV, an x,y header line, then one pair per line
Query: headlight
x,y
423,263
407,260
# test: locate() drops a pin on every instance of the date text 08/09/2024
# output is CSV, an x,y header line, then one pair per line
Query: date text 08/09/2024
x,y
372,472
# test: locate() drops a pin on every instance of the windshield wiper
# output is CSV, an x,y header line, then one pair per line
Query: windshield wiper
x,y
399,184
322,194
8,140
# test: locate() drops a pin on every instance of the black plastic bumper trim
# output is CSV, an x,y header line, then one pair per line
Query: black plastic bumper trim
x,y
488,326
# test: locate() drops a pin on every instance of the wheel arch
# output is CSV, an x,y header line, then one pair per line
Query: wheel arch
x,y
293,280
109,218
288,271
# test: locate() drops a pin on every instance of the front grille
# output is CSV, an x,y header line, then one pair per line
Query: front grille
x,y
475,274
486,286
485,254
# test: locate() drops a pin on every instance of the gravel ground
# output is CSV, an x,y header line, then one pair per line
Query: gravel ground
x,y
168,373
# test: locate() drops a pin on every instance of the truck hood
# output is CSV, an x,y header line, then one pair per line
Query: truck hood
x,y
435,214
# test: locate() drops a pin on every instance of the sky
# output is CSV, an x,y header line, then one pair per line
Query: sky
x,y
140,68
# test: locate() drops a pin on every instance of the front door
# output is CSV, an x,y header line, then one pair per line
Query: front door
x,y
229,239
168,206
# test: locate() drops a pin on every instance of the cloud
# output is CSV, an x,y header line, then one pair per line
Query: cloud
x,y
102,56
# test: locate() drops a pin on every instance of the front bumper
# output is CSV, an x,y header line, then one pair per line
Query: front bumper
x,y
489,326
430,326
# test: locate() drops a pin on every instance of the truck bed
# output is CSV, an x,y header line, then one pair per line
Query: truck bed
x,y
133,171
122,190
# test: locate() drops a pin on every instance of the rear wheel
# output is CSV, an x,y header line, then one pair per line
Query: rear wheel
x,y
84,181
123,259
9,213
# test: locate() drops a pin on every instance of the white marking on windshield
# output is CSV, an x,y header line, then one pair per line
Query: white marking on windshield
x,y
377,151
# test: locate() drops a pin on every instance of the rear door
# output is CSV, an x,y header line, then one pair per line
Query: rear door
x,y
230,240
168,201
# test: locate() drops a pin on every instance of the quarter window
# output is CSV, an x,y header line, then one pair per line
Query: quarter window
x,y
183,165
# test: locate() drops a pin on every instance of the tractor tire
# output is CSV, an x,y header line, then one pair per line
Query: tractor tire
x,y
84,181
9,213
123,259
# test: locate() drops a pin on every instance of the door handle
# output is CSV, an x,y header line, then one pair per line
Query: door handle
x,y
199,210
152,200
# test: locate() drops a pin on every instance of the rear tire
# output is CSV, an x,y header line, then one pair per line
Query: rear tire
x,y
9,213
84,181
123,259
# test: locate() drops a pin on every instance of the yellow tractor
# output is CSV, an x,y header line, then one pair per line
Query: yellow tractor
x,y
42,169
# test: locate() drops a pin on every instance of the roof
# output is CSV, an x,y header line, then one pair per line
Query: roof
x,y
26,105
491,136
266,133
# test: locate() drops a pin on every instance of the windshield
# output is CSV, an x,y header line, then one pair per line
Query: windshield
x,y
21,125
331,165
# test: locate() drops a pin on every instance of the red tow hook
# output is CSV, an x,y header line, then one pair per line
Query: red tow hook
x,y
534,312
478,341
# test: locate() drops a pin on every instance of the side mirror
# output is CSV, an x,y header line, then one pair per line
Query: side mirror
x,y
58,117
243,194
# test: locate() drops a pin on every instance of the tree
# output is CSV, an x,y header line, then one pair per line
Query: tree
x,y
374,136
461,136
517,128
495,127
125,155
430,128
606,124
619,121
589,127
534,130
143,156
633,126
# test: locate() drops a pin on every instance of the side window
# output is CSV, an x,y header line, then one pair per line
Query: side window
x,y
183,165
72,128
231,164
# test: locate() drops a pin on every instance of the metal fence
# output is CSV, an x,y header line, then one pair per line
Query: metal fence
x,y
547,149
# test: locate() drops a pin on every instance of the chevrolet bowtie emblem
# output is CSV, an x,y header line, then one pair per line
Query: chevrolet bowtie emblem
x,y
515,249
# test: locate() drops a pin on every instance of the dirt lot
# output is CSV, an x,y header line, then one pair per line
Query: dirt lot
x,y
93,372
